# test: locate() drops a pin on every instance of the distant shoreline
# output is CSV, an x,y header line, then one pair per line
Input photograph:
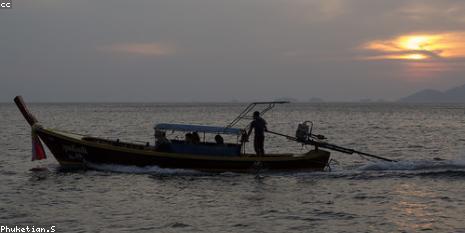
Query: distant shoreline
x,y
242,103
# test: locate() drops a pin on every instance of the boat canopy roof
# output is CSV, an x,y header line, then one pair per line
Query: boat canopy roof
x,y
198,128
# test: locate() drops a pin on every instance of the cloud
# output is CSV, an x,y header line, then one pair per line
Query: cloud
x,y
431,9
144,49
312,11
418,46
330,9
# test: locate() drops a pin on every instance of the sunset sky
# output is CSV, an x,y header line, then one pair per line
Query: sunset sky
x,y
222,50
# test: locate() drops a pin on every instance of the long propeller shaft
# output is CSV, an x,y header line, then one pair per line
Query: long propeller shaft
x,y
331,146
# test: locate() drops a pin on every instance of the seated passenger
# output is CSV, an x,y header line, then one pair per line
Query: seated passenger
x,y
195,138
219,140
161,141
189,138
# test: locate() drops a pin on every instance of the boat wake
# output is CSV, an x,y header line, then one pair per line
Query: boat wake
x,y
437,168
374,170
140,170
415,165
414,168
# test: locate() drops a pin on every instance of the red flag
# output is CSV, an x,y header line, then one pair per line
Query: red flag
x,y
38,151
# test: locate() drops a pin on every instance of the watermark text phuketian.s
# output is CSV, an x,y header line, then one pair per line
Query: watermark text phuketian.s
x,y
6,4
33,229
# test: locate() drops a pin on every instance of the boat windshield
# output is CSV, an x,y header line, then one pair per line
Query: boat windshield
x,y
198,128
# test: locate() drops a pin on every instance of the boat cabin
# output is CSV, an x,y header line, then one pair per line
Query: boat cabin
x,y
194,140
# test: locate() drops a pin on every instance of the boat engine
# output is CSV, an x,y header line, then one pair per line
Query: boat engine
x,y
304,131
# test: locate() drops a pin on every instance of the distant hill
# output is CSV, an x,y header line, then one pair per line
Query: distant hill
x,y
316,100
289,99
454,95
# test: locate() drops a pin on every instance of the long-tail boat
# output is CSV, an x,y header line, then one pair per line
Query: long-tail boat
x,y
74,150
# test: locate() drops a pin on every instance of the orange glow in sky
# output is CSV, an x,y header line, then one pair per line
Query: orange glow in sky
x,y
417,42
415,56
419,46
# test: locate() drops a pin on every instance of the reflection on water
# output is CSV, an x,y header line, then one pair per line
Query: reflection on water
x,y
412,206
416,194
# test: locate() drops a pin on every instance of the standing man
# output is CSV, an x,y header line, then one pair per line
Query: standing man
x,y
259,126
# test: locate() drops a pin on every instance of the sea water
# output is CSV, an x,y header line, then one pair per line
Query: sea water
x,y
425,191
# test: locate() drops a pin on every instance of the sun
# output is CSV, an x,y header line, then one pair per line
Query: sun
x,y
419,46
407,47
421,54
415,42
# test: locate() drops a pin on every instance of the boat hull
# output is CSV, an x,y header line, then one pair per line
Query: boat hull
x,y
77,151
